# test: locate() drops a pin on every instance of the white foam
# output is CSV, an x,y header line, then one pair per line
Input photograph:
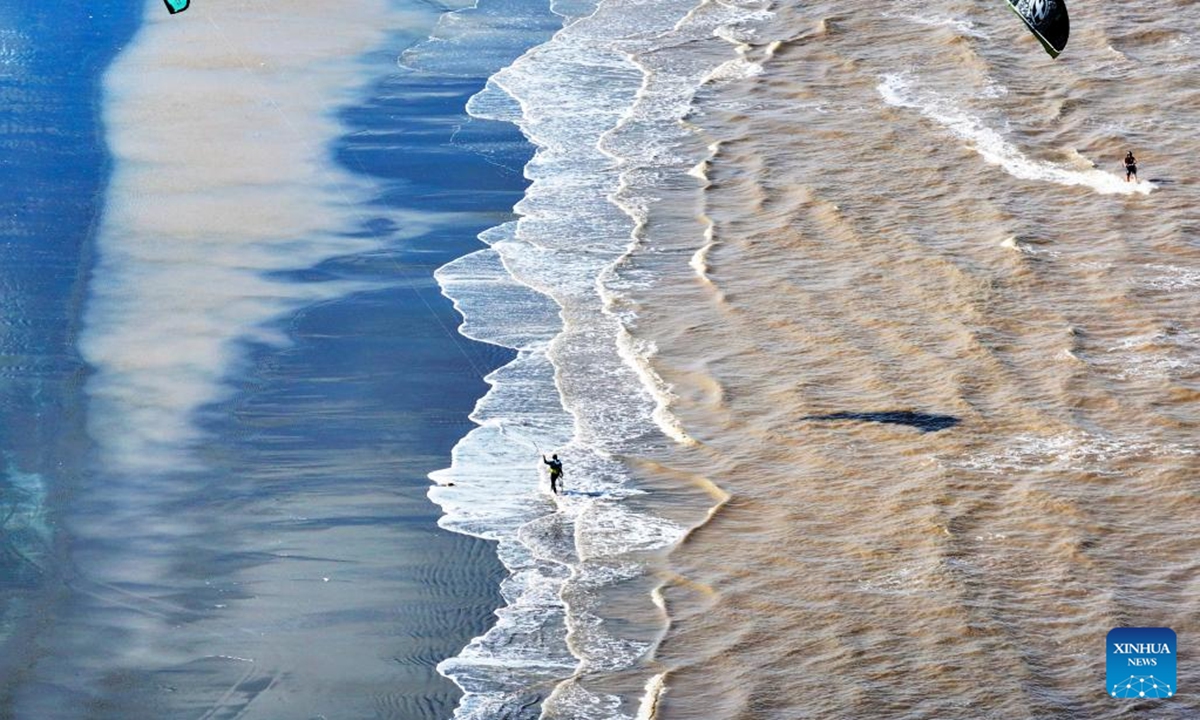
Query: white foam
x,y
965,28
572,701
1173,277
528,317
656,687
900,90
474,40
606,121
1071,451
1163,355
733,70
610,530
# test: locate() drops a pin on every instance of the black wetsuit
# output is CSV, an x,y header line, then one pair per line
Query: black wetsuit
x,y
1130,166
556,472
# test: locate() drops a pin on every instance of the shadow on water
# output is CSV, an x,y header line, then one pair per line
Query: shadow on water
x,y
925,422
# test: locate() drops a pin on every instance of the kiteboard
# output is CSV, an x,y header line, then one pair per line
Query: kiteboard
x,y
1047,20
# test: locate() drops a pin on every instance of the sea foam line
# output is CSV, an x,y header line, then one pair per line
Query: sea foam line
x,y
897,89
661,106
606,127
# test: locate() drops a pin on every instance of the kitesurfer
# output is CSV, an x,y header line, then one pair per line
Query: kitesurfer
x,y
556,471
1130,166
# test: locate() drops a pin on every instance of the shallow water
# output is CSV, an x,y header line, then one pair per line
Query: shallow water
x,y
871,289
934,223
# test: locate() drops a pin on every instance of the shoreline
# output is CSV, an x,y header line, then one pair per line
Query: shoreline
x,y
583,569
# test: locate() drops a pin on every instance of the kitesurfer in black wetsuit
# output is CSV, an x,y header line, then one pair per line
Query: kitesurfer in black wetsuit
x,y
556,471
1130,166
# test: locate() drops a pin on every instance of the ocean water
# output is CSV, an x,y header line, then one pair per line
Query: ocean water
x,y
879,376
230,369
875,381
51,183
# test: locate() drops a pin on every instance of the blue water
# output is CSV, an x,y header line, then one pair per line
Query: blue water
x,y
53,169
292,564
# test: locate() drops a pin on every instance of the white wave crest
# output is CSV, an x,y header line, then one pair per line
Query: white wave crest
x,y
898,90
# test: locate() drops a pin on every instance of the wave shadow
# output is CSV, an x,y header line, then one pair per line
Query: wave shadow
x,y
925,422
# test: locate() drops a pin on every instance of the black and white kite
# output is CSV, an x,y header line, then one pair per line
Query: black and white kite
x,y
1047,20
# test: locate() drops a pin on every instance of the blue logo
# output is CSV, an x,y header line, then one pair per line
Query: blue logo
x,y
1141,663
